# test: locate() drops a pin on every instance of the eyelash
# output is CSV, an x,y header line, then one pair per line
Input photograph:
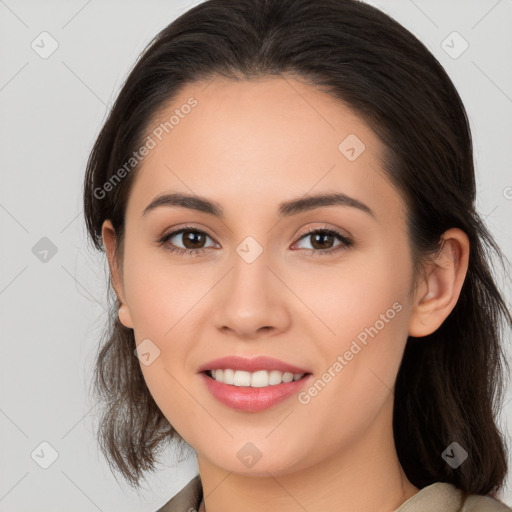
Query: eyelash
x,y
346,241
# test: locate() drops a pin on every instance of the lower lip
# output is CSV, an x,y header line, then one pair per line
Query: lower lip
x,y
246,398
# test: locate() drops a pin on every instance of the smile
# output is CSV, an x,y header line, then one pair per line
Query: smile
x,y
259,379
244,396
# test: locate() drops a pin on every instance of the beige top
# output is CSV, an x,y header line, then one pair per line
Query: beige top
x,y
437,497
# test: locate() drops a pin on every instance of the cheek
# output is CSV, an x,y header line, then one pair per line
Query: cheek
x,y
159,293
161,298
350,296
364,309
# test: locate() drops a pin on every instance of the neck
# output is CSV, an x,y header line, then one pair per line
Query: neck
x,y
363,476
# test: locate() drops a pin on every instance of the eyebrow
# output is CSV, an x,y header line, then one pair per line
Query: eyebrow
x,y
286,208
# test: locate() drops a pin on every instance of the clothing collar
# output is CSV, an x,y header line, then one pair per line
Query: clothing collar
x,y
439,496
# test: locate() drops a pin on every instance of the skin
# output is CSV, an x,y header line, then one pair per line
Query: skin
x,y
335,453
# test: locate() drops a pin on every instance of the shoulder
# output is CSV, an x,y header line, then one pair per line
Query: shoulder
x,y
186,500
477,503
448,498
440,495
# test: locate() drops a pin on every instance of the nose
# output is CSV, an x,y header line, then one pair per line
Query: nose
x,y
251,299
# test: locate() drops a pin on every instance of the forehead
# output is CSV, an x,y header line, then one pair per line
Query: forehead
x,y
249,143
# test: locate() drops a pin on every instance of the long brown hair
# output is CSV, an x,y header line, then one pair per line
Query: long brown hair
x,y
450,383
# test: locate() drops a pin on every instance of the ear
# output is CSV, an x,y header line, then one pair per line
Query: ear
x,y
116,278
438,292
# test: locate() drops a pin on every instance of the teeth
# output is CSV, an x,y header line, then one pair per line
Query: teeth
x,y
259,379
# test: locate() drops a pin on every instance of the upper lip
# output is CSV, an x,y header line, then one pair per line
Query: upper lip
x,y
250,365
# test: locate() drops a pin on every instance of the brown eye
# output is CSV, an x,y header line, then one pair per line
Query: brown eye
x,y
193,241
323,241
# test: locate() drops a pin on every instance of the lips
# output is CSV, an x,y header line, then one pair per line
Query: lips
x,y
253,399
251,365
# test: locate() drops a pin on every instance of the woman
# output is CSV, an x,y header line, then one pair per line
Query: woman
x,y
250,138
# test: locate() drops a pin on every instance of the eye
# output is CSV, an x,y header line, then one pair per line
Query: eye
x,y
192,238
325,237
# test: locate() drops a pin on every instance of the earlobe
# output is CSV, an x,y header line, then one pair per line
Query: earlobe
x,y
439,290
125,316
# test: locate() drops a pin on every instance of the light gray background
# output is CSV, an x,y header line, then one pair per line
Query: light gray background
x,y
52,312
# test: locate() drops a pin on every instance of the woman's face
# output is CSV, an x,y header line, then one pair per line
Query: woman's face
x,y
258,283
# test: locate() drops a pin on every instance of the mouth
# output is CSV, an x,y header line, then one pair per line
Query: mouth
x,y
253,391
257,379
